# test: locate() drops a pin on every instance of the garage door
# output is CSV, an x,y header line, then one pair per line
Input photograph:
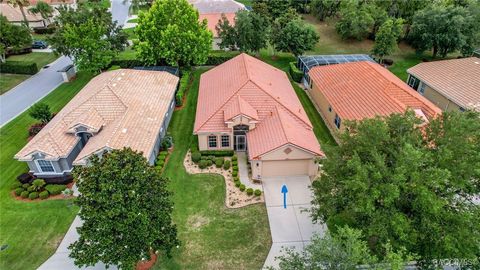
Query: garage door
x,y
285,167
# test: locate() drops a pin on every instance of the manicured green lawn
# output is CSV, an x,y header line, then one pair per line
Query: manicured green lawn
x,y
41,58
32,230
8,81
212,236
133,20
130,33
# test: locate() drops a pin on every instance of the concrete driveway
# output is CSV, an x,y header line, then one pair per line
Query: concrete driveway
x,y
291,226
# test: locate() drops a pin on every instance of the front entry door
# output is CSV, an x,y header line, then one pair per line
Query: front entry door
x,y
241,142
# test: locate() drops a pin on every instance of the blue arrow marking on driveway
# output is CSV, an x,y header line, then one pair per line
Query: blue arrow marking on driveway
x,y
284,191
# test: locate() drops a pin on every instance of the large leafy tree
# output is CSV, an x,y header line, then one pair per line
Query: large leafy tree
x,y
88,35
344,249
407,184
444,30
171,31
226,33
271,9
126,209
295,37
13,37
387,38
251,31
323,9
356,20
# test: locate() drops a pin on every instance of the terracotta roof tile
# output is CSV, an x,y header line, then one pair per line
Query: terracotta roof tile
x,y
361,90
456,79
126,107
14,14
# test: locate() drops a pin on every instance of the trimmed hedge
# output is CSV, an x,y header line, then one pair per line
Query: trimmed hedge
x,y
24,194
43,195
19,67
296,74
202,164
237,183
234,158
215,59
219,162
234,173
258,192
33,195
217,153
249,191
16,184
19,190
242,187
183,87
226,165
196,156
55,189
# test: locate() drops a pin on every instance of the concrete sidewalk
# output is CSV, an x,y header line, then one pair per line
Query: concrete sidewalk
x,y
243,172
24,95
60,260
291,226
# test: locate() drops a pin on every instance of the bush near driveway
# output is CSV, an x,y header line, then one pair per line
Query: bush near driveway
x,y
17,67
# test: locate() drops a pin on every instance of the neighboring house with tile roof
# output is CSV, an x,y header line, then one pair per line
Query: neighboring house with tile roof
x,y
14,15
450,84
116,109
212,11
245,104
359,90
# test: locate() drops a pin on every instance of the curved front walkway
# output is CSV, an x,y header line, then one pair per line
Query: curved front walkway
x,y
291,226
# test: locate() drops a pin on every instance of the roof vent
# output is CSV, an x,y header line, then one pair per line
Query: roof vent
x,y
476,62
124,130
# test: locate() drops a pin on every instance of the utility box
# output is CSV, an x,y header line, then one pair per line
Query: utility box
x,y
68,73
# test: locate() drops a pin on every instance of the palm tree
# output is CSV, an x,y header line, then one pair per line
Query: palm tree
x,y
21,4
42,8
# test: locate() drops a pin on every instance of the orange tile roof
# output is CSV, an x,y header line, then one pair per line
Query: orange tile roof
x,y
253,83
122,108
456,79
361,90
13,14
213,18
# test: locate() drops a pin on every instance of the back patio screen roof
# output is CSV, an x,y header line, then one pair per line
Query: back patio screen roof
x,y
306,62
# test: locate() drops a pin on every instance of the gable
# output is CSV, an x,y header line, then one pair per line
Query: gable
x,y
288,151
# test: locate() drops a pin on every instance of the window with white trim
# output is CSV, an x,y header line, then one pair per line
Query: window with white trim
x,y
337,121
225,140
421,89
45,165
212,141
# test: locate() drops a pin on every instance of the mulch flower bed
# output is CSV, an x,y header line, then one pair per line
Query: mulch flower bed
x,y
50,197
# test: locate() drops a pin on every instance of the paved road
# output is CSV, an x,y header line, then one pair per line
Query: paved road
x,y
291,227
119,11
31,90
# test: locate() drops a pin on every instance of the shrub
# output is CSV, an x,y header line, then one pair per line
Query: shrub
x,y
163,153
19,67
25,178
234,158
38,184
242,187
235,168
234,163
33,195
184,81
25,186
196,156
258,192
50,29
41,112
167,142
160,163
211,157
55,189
215,59
234,173
16,185
237,183
30,188
218,153
219,162
43,195
203,164
296,74
236,179
67,192
161,158
24,194
226,165
35,129
249,191
209,162
19,190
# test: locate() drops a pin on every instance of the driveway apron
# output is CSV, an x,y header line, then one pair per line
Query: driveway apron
x,y
291,226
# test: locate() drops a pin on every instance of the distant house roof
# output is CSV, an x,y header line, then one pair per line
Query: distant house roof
x,y
13,14
361,90
456,79
212,11
248,86
121,108
52,2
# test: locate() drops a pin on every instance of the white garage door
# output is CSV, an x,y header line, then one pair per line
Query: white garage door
x,y
285,167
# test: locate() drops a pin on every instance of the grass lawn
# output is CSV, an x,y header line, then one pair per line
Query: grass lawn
x,y
8,81
212,236
133,20
130,33
41,58
32,230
